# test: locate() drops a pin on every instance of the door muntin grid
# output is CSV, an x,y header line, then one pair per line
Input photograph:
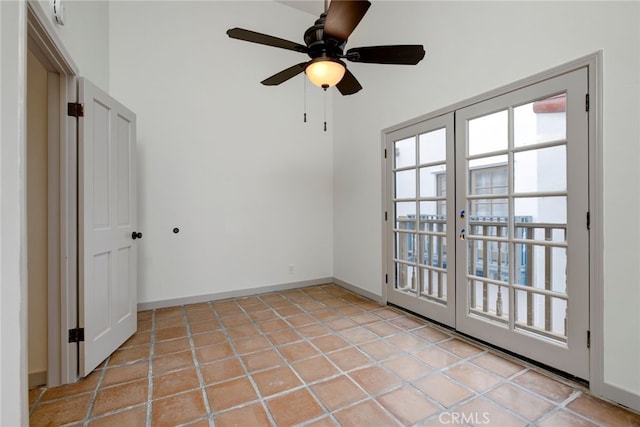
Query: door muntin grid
x,y
420,219
516,233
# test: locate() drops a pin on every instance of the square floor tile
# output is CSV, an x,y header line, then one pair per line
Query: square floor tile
x,y
407,323
232,393
380,349
172,346
406,342
172,362
349,358
61,411
313,330
298,351
209,338
273,325
251,345
408,405
430,334
170,333
175,382
494,363
519,401
367,413
407,367
262,360
443,389
275,380
294,408
329,343
214,352
565,419
125,373
473,377
436,357
383,329
243,331
130,355
484,412
460,348
251,415
136,416
221,371
178,409
284,337
314,369
338,392
207,326
359,335
374,379
120,396
544,385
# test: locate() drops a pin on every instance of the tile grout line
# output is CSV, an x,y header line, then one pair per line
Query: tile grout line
x,y
341,372
261,399
94,393
196,364
152,345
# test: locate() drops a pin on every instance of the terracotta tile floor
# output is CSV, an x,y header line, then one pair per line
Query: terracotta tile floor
x,y
317,356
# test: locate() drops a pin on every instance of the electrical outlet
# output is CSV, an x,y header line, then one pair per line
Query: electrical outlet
x,y
291,269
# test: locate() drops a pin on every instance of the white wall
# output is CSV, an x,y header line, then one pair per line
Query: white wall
x,y
85,34
223,158
13,295
473,47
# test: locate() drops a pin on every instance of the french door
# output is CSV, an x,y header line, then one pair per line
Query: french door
x,y
489,232
421,160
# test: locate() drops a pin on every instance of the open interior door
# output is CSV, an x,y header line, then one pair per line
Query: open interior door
x,y
107,293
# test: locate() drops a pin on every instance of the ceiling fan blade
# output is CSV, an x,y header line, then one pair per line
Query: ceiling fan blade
x,y
343,16
284,75
407,54
349,84
252,36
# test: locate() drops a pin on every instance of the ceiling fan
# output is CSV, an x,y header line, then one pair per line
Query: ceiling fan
x,y
325,44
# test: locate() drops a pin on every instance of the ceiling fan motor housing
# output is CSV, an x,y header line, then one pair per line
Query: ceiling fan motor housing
x,y
318,45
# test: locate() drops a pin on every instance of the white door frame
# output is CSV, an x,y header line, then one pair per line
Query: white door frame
x,y
593,62
43,40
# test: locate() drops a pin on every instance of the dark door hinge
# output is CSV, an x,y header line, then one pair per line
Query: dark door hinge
x,y
76,335
385,153
75,109
385,215
588,339
586,102
386,278
588,220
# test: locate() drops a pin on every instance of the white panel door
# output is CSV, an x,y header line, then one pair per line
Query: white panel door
x,y
107,203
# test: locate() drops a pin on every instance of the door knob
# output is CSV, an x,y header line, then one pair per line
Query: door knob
x,y
136,235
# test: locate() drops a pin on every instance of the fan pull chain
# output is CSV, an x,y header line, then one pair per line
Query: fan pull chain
x,y
305,99
325,110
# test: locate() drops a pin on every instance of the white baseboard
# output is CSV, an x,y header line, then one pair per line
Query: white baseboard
x,y
232,294
619,395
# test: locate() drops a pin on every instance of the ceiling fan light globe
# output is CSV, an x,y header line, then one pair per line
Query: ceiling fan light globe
x,y
325,72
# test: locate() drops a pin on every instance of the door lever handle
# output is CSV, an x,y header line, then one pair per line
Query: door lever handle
x,y
136,235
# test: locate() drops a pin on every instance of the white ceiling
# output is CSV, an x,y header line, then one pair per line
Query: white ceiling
x,y
314,7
